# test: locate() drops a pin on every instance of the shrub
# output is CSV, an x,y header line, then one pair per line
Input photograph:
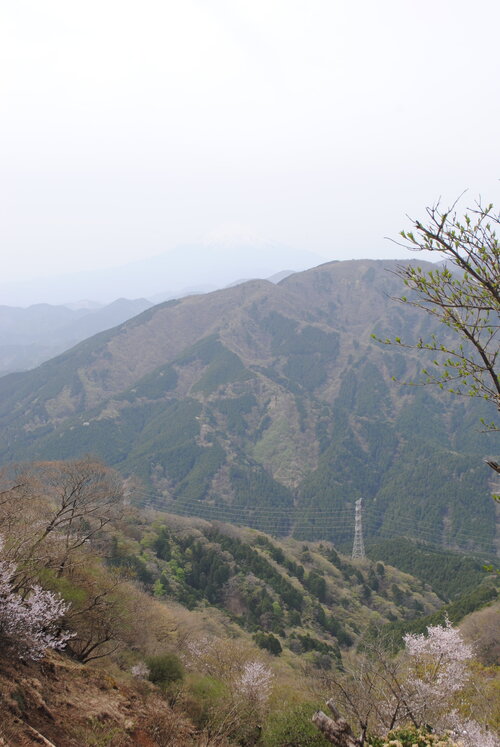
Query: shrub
x,y
202,697
411,737
164,668
293,727
269,642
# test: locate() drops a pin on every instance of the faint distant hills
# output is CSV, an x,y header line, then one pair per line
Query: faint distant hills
x,y
181,271
31,336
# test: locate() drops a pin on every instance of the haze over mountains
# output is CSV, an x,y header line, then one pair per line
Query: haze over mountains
x,y
33,335
29,336
269,405
213,263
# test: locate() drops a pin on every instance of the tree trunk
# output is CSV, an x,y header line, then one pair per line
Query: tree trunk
x,y
336,730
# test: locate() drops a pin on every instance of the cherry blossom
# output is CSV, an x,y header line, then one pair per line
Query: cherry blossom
x,y
30,623
439,660
254,683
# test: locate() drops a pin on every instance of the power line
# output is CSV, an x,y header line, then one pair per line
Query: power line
x,y
340,518
273,521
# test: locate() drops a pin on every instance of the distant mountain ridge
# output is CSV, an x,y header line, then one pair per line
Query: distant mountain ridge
x,y
208,265
31,336
269,405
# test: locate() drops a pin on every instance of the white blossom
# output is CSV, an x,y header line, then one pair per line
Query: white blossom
x,y
30,624
140,670
439,660
469,732
254,683
439,670
196,648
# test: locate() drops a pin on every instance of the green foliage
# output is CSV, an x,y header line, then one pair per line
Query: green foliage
x,y
309,643
202,694
269,642
307,350
197,481
168,438
410,737
454,611
137,568
164,668
69,591
252,561
275,552
412,473
449,574
372,392
282,330
95,733
234,409
208,572
153,385
161,544
254,488
316,584
217,568
337,629
463,294
293,727
222,365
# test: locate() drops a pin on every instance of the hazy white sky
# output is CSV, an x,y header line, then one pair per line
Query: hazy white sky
x,y
129,127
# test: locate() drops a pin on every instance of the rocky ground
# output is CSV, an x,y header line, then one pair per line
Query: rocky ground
x,y
62,703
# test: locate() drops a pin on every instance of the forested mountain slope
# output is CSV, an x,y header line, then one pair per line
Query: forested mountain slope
x,y
269,405
282,588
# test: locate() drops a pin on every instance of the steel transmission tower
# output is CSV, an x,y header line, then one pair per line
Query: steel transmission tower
x,y
358,548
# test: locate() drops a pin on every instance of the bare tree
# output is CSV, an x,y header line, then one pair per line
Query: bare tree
x,y
371,690
51,512
99,620
74,501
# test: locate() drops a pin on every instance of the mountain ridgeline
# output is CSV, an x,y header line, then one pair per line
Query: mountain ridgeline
x,y
271,406
31,336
